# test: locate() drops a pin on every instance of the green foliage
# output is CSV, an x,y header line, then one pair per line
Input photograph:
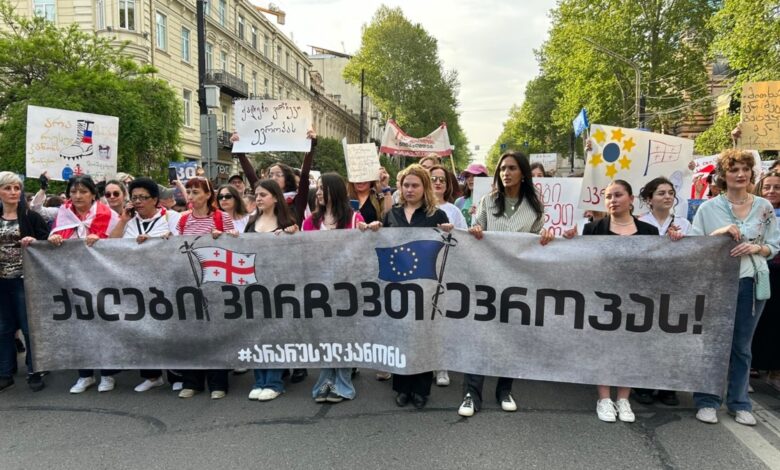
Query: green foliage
x,y
717,137
69,69
405,79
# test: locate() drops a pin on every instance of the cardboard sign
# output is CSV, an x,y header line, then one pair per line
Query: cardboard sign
x,y
272,125
70,143
482,186
362,162
761,116
548,160
560,197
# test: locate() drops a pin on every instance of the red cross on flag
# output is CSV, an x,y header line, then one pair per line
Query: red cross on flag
x,y
229,267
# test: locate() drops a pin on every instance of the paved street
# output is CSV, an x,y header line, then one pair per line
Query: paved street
x,y
555,427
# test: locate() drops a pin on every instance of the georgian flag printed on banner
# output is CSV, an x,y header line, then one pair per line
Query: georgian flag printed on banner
x,y
229,267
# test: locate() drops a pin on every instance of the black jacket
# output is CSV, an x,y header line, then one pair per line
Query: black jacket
x,y
602,228
31,223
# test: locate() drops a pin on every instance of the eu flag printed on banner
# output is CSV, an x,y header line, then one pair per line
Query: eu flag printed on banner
x,y
413,260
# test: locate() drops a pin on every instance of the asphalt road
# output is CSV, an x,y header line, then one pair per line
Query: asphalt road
x,y
555,427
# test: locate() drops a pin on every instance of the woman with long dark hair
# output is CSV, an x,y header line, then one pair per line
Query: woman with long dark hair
x,y
230,200
514,206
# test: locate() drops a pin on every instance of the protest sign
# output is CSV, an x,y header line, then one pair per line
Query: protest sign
x,y
272,125
483,185
548,160
70,143
636,157
560,197
362,162
184,170
396,142
760,116
406,301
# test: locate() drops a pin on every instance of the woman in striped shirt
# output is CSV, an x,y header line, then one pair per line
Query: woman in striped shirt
x,y
514,206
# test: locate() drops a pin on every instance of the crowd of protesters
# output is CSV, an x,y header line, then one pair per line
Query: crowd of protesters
x,y
428,194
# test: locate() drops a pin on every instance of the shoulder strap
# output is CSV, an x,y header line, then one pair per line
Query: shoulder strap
x,y
183,221
218,220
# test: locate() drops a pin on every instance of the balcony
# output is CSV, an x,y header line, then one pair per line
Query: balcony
x,y
227,83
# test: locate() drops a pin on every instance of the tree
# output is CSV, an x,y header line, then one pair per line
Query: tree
x,y
405,78
717,137
43,65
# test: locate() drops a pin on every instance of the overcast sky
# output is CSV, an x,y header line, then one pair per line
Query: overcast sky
x,y
490,43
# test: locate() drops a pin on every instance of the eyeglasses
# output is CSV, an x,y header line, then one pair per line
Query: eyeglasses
x,y
276,174
439,179
222,197
113,193
140,198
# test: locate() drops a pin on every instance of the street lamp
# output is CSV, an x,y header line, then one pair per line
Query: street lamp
x,y
637,104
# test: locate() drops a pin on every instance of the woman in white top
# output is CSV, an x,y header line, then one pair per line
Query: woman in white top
x,y
660,197
229,200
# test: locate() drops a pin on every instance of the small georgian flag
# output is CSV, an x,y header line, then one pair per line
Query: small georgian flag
x,y
229,267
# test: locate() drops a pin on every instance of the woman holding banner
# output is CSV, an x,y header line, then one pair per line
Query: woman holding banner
x,y
333,212
514,206
751,222
83,216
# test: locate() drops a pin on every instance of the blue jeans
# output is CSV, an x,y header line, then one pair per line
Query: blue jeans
x,y
745,322
13,316
339,380
269,378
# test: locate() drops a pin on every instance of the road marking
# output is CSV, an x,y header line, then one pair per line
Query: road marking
x,y
753,440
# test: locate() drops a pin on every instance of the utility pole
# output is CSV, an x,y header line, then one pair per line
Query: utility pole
x,y
638,92
208,122
362,100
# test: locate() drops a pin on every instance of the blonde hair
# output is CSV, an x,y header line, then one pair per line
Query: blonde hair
x,y
729,158
433,157
429,199
9,177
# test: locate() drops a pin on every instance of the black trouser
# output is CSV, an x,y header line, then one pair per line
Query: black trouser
x,y
472,384
84,373
216,379
417,383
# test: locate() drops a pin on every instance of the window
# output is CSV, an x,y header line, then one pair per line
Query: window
x,y
278,55
266,45
297,70
254,37
127,14
254,83
187,98
241,71
222,12
162,30
265,88
224,117
100,14
279,95
185,44
45,9
241,22
223,60
209,55
288,94
287,62
207,8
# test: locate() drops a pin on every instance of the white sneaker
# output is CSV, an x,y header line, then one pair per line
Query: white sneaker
x,y
508,403
605,410
467,407
82,384
624,411
267,394
442,378
744,417
217,394
106,384
707,415
149,384
751,389
255,393
177,386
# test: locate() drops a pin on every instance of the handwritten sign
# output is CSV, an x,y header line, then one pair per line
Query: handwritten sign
x,y
362,162
272,125
636,157
548,160
482,185
761,116
560,197
70,143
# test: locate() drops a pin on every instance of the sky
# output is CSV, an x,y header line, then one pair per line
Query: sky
x,y
490,43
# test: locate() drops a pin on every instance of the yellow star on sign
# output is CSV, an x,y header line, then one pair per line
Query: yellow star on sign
x,y
625,163
596,159
611,171
599,136
629,144
617,134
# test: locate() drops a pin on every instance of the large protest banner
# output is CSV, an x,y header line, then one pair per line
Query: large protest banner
x,y
599,310
761,116
69,143
560,197
272,125
397,142
637,157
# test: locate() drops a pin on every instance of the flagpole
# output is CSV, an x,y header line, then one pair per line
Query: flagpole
x,y
188,250
448,242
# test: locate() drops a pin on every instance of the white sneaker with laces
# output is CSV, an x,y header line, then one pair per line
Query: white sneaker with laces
x,y
82,384
467,407
442,378
106,384
508,403
605,410
624,411
267,394
147,384
744,417
707,415
255,393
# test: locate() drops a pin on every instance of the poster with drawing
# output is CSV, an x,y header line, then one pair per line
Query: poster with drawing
x,y
70,143
636,157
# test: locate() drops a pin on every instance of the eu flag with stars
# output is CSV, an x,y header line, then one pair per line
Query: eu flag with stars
x,y
413,260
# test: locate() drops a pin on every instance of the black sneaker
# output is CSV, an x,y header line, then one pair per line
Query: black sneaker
x,y
668,398
19,346
35,382
6,383
334,398
298,375
643,396
322,394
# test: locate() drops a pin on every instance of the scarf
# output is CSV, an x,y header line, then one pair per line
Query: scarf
x,y
96,222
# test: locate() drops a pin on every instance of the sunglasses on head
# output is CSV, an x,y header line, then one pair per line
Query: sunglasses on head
x,y
113,193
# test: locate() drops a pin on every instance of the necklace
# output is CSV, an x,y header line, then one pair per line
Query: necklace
x,y
622,224
738,203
